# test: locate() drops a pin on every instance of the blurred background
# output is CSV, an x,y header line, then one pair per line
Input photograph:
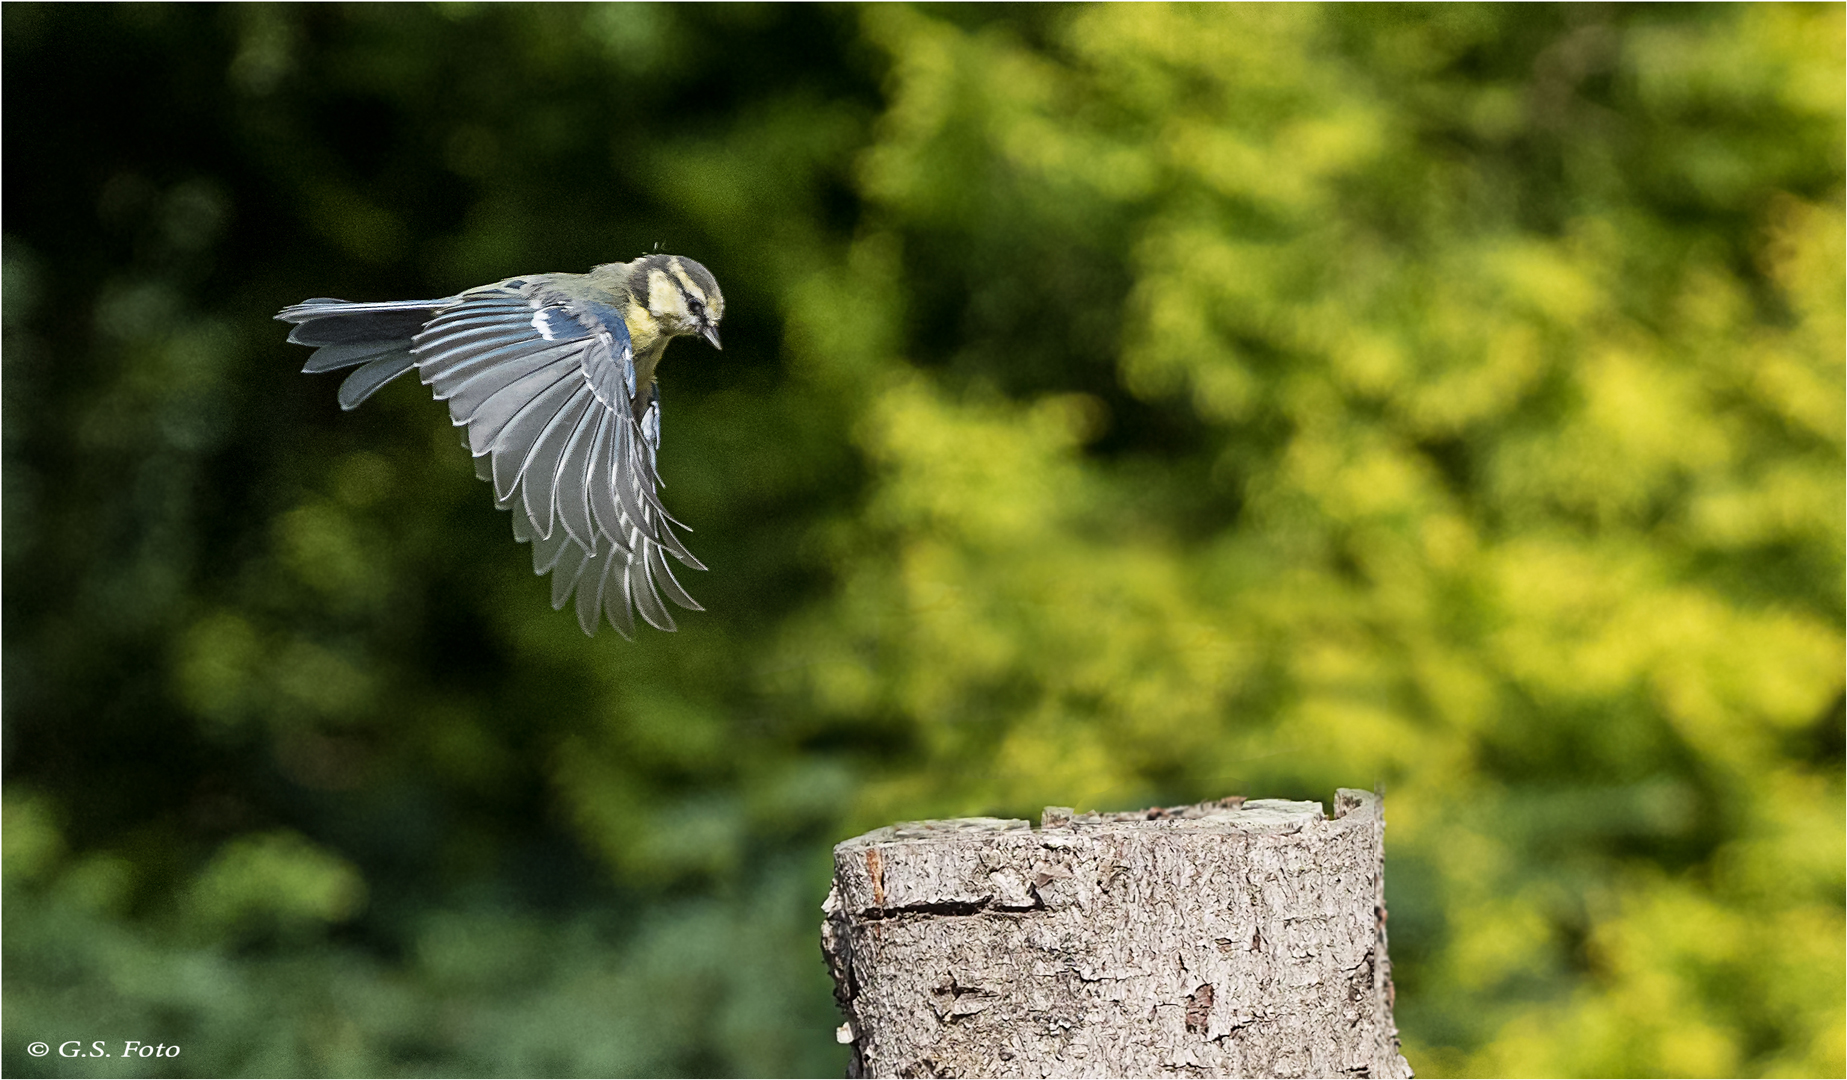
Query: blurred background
x,y
1120,406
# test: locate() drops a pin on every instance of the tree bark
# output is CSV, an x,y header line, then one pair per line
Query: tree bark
x,y
1229,938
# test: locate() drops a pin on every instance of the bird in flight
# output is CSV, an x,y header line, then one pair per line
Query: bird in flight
x,y
552,375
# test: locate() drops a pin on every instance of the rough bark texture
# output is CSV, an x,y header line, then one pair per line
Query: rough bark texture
x,y
1224,939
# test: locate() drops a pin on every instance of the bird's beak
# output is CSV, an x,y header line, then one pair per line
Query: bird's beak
x,y
711,335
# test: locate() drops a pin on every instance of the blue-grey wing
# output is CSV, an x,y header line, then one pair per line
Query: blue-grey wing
x,y
545,385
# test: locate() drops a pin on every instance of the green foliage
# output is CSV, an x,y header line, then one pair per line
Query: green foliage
x,y
1121,405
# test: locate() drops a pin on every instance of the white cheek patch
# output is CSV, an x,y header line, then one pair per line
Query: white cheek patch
x,y
664,297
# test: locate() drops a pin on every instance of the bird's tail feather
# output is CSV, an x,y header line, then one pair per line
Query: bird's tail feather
x,y
336,322
375,337
365,382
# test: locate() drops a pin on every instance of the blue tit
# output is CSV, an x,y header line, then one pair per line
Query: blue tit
x,y
553,377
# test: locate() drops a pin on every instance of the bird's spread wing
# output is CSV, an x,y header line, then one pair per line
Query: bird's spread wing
x,y
546,387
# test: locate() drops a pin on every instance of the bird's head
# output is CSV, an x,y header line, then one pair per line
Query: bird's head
x,y
681,296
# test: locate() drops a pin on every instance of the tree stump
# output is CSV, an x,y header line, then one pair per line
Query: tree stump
x,y
1229,938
